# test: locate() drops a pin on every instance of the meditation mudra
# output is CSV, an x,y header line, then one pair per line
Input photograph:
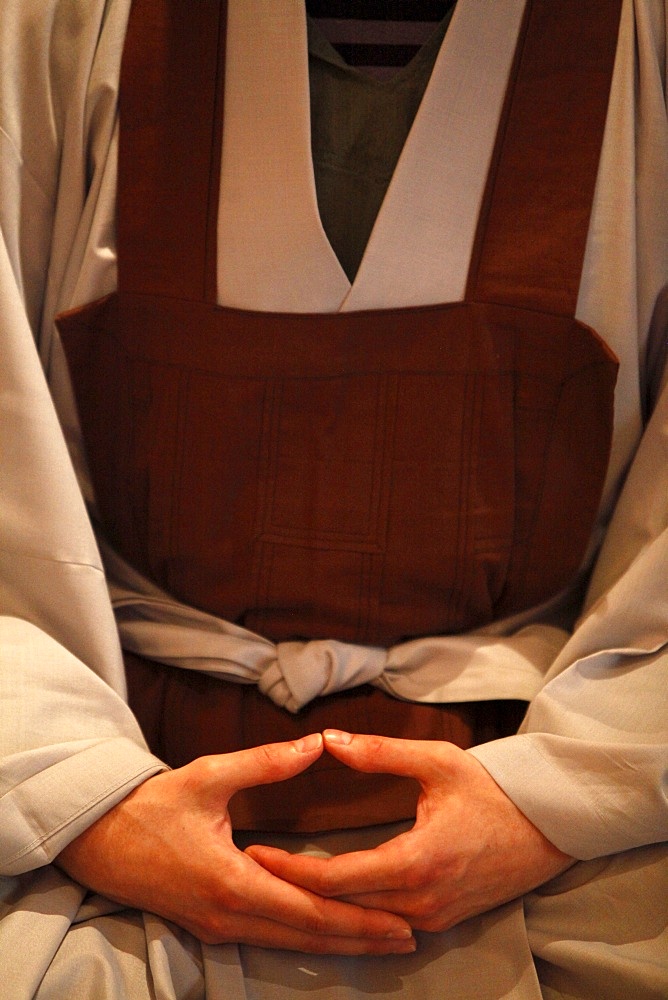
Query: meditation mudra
x,y
334,535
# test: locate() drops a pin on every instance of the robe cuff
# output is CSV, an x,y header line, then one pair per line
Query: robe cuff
x,y
55,803
588,798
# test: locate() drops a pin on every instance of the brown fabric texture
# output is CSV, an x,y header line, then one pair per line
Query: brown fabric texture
x,y
533,228
405,478
171,112
366,476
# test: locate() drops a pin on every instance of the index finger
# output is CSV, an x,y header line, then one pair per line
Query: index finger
x,y
299,906
377,870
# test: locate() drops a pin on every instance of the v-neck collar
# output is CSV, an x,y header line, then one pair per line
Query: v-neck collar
x,y
273,252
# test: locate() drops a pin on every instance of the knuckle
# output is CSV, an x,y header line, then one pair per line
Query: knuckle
x,y
232,899
271,758
198,777
209,934
413,881
316,922
375,744
223,898
269,751
432,912
208,925
434,925
431,916
418,875
425,913
203,769
324,884
234,904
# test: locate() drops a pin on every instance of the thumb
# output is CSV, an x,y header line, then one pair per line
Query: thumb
x,y
270,762
424,760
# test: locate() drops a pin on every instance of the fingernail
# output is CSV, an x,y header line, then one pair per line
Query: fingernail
x,y
406,947
400,933
308,743
337,736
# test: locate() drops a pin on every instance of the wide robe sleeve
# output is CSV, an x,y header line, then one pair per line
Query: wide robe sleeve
x,y
69,746
590,765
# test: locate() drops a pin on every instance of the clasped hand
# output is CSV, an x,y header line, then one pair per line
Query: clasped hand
x,y
470,849
168,848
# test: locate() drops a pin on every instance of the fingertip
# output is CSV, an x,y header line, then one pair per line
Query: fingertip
x,y
253,852
262,852
337,737
404,933
405,946
309,744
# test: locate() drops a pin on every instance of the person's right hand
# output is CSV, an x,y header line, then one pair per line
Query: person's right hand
x,y
167,848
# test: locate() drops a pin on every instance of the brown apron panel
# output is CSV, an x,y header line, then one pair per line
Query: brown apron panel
x,y
406,478
533,229
169,145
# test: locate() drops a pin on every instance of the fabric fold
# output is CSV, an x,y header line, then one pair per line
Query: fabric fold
x,y
508,662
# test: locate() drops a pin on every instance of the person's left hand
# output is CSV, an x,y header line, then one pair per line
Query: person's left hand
x,y
471,848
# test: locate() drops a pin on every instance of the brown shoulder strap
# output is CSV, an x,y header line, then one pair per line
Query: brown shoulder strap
x,y
171,120
533,228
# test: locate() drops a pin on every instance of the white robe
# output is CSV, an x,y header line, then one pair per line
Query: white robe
x,y
589,767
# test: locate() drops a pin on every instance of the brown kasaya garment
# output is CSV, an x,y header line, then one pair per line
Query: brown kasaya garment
x,y
369,477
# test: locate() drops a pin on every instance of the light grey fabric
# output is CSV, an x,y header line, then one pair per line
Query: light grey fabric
x,y
70,747
597,931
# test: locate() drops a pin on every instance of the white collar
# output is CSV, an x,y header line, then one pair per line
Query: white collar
x,y
273,252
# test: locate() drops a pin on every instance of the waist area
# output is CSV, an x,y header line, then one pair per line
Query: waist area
x,y
186,714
